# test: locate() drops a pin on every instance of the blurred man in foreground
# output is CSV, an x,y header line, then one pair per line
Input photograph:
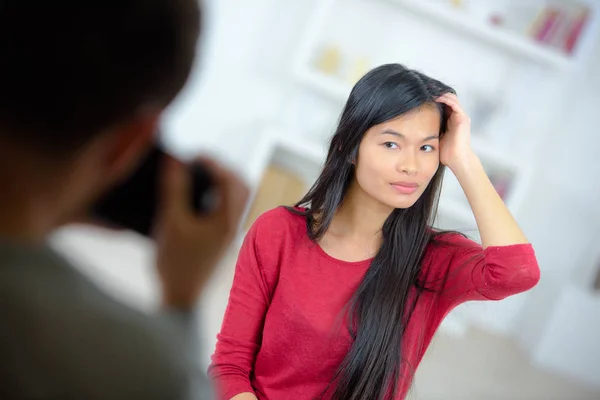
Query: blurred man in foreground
x,y
82,89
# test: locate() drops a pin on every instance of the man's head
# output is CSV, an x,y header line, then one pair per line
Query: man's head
x,y
83,84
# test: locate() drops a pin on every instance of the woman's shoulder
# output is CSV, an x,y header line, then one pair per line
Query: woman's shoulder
x,y
280,221
281,215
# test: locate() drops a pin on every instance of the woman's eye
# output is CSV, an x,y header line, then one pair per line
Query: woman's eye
x,y
391,145
428,148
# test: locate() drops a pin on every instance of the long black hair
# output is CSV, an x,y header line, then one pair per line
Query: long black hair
x,y
381,307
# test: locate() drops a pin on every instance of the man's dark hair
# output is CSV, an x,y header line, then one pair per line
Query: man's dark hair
x,y
70,70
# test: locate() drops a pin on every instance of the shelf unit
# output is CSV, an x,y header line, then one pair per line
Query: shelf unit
x,y
457,21
444,13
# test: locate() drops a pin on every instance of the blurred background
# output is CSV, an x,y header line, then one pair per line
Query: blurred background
x,y
266,93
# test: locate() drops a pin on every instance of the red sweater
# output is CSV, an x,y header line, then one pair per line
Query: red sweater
x,y
281,337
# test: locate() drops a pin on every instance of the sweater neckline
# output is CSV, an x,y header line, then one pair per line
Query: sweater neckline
x,y
329,257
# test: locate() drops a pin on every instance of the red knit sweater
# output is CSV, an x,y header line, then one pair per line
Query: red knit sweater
x,y
281,336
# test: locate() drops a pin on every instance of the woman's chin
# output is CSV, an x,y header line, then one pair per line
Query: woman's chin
x,y
404,203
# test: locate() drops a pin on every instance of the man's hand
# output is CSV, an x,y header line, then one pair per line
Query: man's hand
x,y
189,246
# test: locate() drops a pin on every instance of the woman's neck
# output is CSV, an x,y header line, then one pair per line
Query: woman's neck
x,y
360,216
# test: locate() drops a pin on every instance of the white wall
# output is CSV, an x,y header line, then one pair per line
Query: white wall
x,y
224,92
570,344
559,323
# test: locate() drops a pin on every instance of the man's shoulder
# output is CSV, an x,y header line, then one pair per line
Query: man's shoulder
x,y
38,277
83,336
47,291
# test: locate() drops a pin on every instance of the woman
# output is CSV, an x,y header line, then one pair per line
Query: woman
x,y
339,297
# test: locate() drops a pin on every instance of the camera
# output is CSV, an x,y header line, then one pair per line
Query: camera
x,y
133,203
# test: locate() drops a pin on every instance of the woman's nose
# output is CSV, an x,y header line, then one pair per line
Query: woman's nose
x,y
408,164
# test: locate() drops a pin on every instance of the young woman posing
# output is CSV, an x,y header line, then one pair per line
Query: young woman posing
x,y
339,297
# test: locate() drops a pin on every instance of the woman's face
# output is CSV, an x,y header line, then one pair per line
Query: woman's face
x,y
398,158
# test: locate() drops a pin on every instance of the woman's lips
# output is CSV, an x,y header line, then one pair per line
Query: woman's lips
x,y
405,187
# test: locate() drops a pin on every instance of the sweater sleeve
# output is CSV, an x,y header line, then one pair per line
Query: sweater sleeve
x,y
240,337
468,272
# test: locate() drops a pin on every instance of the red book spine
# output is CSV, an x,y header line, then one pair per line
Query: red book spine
x,y
576,31
550,17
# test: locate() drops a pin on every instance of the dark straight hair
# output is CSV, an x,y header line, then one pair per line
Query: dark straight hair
x,y
382,306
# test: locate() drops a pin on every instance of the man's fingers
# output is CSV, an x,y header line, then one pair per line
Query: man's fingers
x,y
175,186
232,191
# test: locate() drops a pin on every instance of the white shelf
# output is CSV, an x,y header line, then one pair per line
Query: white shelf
x,y
325,84
277,138
510,41
278,144
308,149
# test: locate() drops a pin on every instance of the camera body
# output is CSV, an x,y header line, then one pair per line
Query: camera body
x,y
133,203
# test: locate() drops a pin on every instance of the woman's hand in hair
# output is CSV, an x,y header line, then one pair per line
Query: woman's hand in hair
x,y
455,145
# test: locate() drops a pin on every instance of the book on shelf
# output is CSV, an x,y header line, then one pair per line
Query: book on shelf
x,y
331,61
560,25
